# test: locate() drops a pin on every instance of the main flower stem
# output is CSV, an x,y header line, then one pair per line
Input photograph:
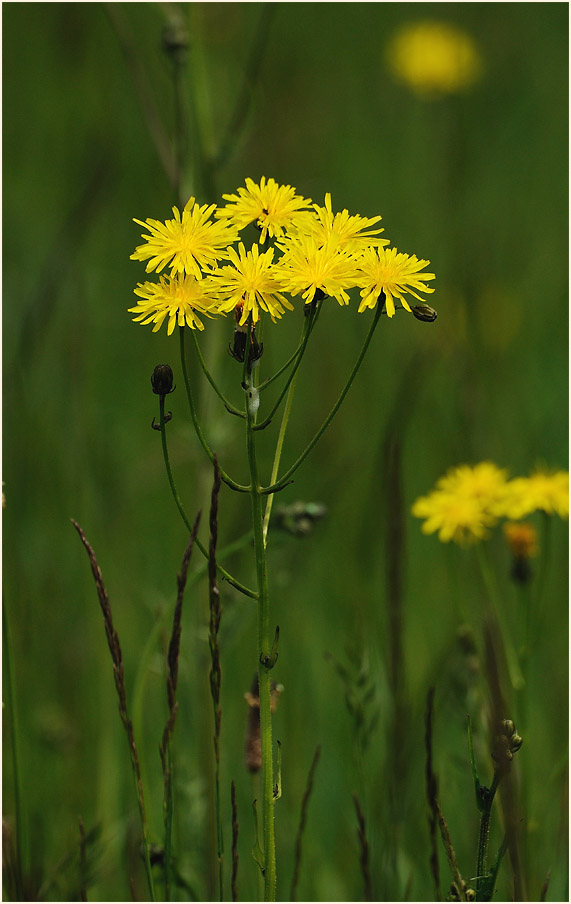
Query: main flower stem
x,y
264,666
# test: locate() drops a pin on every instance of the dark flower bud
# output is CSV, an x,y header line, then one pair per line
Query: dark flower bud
x,y
162,378
237,348
424,312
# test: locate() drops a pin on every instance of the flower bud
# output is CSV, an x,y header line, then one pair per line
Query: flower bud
x,y
161,380
506,743
424,312
237,348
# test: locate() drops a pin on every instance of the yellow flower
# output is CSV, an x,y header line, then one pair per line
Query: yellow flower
x,y
542,491
250,284
385,270
434,58
350,233
271,206
308,267
462,505
187,243
180,298
484,482
455,517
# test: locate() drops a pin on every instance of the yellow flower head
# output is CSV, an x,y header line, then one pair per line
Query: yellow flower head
x,y
462,505
385,270
188,243
270,206
434,58
347,232
308,267
542,491
250,284
455,517
180,298
484,482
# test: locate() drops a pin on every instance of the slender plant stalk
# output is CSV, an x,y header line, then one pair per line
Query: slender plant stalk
x,y
215,671
508,648
277,456
264,662
225,477
119,677
285,477
364,845
431,794
226,574
172,680
482,880
302,821
228,405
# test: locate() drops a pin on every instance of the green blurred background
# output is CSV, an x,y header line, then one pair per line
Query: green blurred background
x,y
476,183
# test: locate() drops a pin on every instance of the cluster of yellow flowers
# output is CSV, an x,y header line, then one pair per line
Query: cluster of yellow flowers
x,y
318,253
469,500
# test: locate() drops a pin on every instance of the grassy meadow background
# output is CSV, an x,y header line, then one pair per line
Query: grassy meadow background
x,y
477,184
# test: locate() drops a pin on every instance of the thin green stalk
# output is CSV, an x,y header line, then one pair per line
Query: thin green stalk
x,y
303,341
226,574
482,879
11,699
225,477
307,329
285,477
229,407
264,665
514,669
277,456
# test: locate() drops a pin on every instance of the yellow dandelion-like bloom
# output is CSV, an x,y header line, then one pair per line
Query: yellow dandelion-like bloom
x,y
270,206
521,538
542,491
180,298
385,270
188,243
484,482
434,58
455,517
348,232
250,284
462,506
308,267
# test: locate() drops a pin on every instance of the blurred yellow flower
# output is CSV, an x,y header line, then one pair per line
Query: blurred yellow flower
x,y
385,270
270,206
180,298
462,505
188,243
434,58
542,491
250,284
455,517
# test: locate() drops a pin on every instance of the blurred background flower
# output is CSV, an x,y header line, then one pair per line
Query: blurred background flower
x,y
434,58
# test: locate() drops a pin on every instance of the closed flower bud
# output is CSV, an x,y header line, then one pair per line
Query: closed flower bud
x,y
161,381
506,743
424,312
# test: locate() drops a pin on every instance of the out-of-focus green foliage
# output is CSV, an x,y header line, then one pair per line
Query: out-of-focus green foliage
x,y
475,183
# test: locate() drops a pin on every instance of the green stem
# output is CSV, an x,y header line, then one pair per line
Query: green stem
x,y
168,805
264,666
482,880
226,574
299,352
277,456
514,669
285,477
225,477
229,407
